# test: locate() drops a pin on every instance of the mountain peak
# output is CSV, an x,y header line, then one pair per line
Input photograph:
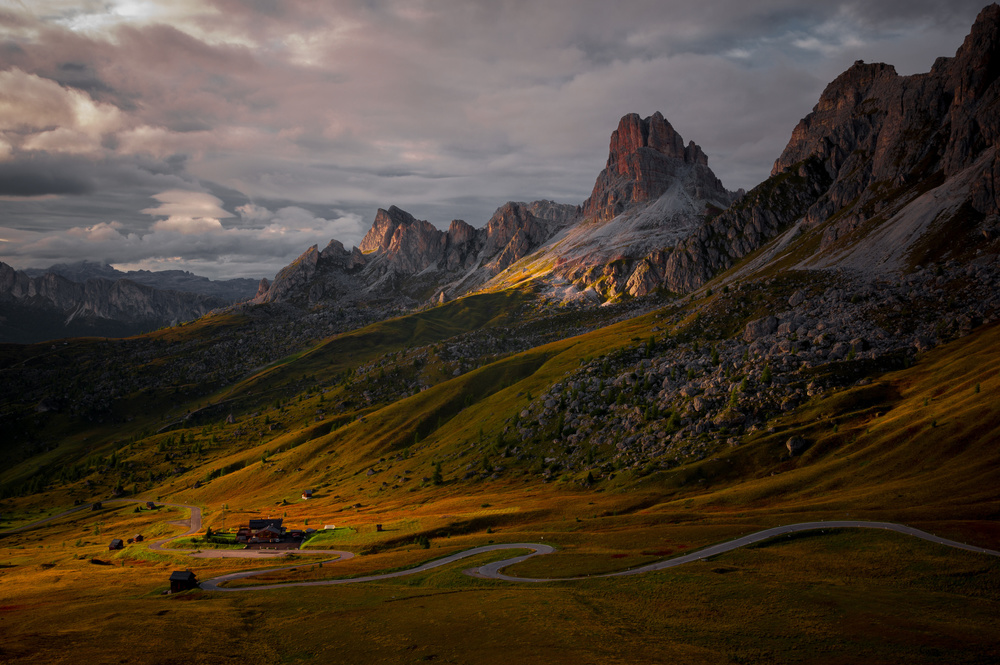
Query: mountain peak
x,y
379,236
645,157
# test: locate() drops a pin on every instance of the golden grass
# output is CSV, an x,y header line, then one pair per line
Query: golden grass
x,y
918,446
839,597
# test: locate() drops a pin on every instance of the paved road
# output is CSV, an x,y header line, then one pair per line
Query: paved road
x,y
194,522
491,570
213,584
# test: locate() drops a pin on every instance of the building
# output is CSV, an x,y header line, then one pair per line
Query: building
x,y
257,525
182,580
261,531
116,544
307,494
269,534
150,505
138,538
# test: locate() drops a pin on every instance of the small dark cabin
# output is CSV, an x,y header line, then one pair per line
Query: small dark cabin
x,y
150,505
182,580
116,544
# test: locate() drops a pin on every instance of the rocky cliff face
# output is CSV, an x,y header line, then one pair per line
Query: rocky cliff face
x,y
58,302
646,156
654,191
881,163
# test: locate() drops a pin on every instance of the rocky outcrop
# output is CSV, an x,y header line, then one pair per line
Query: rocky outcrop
x,y
747,225
292,278
645,157
653,193
881,136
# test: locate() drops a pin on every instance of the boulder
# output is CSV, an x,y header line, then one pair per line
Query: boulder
x,y
795,445
760,328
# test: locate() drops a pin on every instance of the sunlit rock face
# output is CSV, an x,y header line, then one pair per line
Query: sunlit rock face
x,y
645,157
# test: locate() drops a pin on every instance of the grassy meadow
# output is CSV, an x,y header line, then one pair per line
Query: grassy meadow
x,y
916,445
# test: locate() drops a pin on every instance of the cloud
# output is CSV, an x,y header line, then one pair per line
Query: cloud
x,y
190,236
39,114
187,213
40,177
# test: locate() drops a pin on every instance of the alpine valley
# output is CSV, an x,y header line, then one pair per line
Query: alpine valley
x,y
667,366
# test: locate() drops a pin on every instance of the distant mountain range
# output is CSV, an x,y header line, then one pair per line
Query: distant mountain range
x,y
169,280
87,298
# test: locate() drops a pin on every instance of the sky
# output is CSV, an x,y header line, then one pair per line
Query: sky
x,y
225,137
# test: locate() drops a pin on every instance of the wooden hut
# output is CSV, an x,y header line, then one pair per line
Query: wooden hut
x,y
116,544
182,580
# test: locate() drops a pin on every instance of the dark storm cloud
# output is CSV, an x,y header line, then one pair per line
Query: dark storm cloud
x,y
33,179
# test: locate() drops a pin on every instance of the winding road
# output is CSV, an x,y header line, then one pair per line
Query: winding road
x,y
492,570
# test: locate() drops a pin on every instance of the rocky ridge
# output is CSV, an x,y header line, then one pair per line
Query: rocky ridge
x,y
874,144
413,261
